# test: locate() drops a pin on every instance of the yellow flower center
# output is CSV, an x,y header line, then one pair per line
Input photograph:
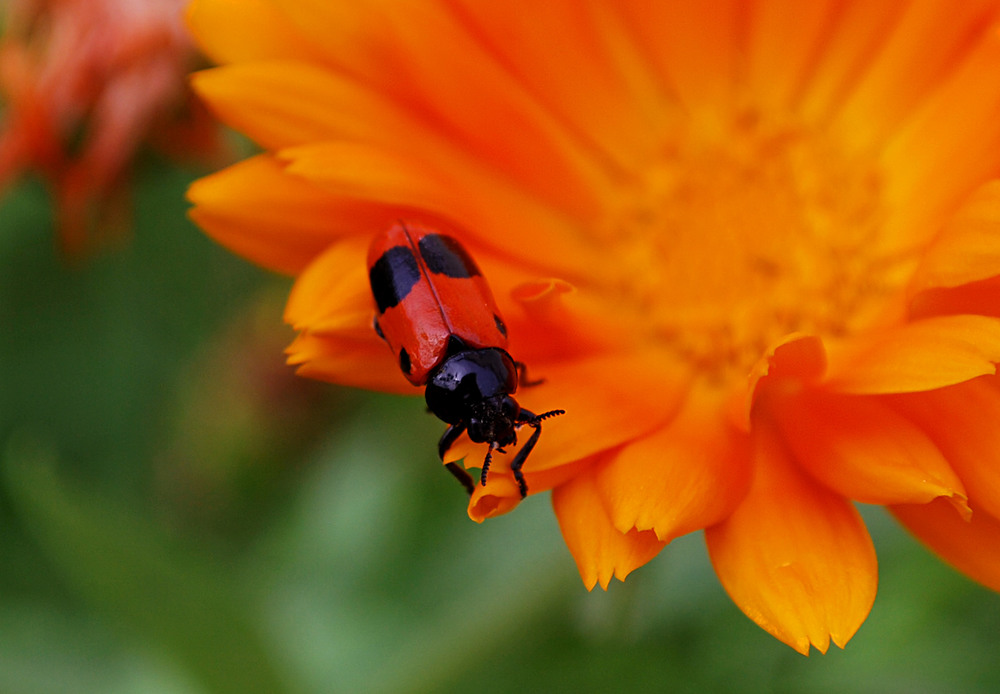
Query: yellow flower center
x,y
730,242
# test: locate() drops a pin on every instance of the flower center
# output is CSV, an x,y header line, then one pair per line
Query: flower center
x,y
730,242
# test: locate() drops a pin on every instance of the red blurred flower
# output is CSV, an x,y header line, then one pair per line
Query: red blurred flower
x,y
85,84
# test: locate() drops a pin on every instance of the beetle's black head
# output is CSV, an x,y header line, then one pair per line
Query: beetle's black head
x,y
493,420
474,387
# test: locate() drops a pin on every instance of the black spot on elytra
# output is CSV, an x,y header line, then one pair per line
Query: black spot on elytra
x,y
392,277
446,256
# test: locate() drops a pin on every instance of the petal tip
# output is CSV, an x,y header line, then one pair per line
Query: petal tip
x,y
500,495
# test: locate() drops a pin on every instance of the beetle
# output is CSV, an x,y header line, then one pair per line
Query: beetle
x,y
436,312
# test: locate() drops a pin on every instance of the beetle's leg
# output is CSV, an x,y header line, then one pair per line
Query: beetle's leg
x,y
462,476
522,455
448,439
522,376
535,422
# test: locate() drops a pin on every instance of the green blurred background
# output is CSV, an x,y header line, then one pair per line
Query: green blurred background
x,y
180,514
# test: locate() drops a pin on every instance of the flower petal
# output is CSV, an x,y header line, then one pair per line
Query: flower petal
x,y
922,355
978,298
963,423
972,547
906,60
796,357
794,557
862,449
501,492
956,130
449,185
358,363
498,496
857,35
331,306
256,209
601,552
968,249
609,400
284,103
424,56
782,48
332,295
694,47
686,476
240,30
603,111
559,321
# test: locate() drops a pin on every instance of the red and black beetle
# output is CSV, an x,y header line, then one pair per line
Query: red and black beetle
x,y
439,317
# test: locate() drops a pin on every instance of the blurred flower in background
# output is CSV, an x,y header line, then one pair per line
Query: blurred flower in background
x,y
84,84
752,248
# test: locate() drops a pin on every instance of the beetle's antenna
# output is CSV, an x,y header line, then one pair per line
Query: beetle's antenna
x,y
545,415
486,463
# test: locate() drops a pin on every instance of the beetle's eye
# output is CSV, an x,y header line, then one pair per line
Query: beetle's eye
x,y
478,431
510,409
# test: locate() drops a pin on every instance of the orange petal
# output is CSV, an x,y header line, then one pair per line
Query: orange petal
x,y
795,357
794,557
360,363
957,129
605,109
686,476
904,62
609,400
783,39
499,495
972,547
694,47
980,298
283,103
451,185
239,30
331,305
257,210
601,552
862,449
560,321
922,355
963,423
854,40
501,492
968,249
476,99
332,295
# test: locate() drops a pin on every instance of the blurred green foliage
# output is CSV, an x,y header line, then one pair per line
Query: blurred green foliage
x,y
180,514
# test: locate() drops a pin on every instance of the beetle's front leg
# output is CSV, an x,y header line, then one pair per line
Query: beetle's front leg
x,y
535,422
522,455
448,439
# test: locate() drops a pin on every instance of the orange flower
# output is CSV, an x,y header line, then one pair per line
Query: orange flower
x,y
753,249
86,83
